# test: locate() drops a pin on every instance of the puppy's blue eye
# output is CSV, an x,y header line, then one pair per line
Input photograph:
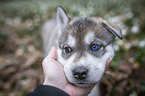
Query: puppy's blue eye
x,y
95,47
67,49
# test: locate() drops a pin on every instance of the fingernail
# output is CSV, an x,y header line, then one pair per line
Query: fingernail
x,y
53,47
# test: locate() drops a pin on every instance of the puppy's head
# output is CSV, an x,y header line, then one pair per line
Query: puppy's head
x,y
85,47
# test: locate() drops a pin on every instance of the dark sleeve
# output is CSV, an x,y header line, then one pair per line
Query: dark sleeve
x,y
45,90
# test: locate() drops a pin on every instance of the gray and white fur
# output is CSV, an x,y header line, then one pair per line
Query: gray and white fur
x,y
74,39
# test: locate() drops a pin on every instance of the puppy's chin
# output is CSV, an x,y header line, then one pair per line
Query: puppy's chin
x,y
84,84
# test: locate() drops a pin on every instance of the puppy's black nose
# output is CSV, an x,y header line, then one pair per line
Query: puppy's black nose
x,y
80,73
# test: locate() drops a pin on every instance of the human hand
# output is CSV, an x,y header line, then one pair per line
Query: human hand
x,y
55,76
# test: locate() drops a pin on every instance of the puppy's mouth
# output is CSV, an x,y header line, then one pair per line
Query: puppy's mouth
x,y
80,82
83,84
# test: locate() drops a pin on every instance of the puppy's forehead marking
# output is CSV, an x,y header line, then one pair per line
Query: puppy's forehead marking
x,y
71,41
89,37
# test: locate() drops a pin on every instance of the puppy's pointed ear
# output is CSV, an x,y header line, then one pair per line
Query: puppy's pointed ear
x,y
61,17
113,28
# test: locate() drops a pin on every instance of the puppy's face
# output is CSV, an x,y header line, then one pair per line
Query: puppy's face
x,y
84,47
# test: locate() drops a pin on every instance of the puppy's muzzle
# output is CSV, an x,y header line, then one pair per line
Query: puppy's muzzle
x,y
80,73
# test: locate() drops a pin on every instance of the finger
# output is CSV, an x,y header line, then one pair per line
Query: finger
x,y
53,53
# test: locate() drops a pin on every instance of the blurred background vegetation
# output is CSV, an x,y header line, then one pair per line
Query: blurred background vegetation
x,y
21,47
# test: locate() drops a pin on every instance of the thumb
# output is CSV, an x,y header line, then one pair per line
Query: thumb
x,y
52,54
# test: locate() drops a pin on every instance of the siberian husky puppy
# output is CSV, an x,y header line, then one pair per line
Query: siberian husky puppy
x,y
84,46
